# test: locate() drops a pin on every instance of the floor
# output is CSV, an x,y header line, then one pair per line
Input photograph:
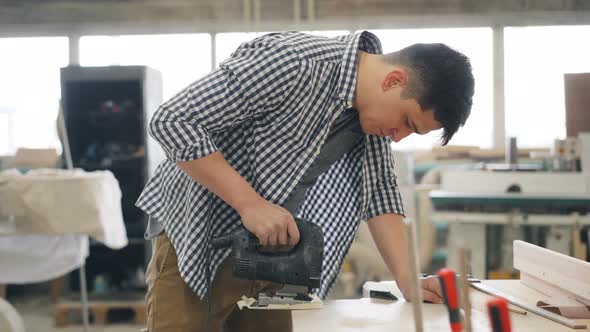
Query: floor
x,y
37,314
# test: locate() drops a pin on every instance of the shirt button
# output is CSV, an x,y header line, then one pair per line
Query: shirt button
x,y
349,104
341,95
317,152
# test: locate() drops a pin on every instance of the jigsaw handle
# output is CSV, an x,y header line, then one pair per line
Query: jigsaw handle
x,y
244,240
223,241
241,238
499,317
300,265
448,283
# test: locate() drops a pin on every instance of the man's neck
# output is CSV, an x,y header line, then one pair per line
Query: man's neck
x,y
366,73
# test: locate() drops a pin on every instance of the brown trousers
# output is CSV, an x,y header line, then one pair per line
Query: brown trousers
x,y
173,306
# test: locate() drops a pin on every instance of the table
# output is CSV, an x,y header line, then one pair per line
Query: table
x,y
46,217
373,315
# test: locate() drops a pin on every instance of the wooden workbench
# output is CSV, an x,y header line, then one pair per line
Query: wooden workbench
x,y
372,315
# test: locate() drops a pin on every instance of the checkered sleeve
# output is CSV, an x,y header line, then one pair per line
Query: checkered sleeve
x,y
386,197
244,86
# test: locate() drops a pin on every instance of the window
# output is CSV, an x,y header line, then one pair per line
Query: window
x,y
30,91
7,145
181,58
535,60
476,43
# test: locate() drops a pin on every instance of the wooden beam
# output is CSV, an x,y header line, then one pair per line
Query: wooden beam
x,y
571,323
414,263
465,299
552,271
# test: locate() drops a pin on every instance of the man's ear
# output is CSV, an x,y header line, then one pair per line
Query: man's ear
x,y
395,77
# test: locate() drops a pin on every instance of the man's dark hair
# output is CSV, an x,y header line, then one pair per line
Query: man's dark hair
x,y
440,79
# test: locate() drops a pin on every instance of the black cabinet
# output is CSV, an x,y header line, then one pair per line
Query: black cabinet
x,y
106,112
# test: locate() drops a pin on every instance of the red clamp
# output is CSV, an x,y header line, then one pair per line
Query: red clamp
x,y
499,317
448,283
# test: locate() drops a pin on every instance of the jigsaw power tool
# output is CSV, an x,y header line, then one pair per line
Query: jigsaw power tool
x,y
298,269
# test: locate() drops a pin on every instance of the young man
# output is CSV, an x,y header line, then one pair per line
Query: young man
x,y
290,124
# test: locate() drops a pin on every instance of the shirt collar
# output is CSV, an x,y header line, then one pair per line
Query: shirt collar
x,y
363,41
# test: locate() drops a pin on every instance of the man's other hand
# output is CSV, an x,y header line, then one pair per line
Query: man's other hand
x,y
431,291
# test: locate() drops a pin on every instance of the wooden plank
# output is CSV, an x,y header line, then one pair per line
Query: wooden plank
x,y
99,310
508,218
56,289
540,267
571,323
412,248
465,300
101,304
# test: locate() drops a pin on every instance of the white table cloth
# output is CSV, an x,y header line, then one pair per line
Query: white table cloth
x,y
46,217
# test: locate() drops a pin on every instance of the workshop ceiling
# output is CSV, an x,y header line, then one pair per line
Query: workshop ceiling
x,y
222,14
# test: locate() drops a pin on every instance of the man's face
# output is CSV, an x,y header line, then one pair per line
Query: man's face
x,y
388,114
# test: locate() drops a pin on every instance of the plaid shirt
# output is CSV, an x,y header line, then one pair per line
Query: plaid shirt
x,y
268,109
